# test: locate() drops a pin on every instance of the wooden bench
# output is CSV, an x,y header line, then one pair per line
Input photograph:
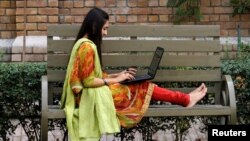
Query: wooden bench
x,y
192,54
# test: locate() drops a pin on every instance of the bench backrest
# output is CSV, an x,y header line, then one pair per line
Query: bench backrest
x,y
192,52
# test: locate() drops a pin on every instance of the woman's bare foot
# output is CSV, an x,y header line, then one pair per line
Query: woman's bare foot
x,y
197,94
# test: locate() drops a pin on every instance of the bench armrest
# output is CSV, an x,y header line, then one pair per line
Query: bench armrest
x,y
228,95
44,92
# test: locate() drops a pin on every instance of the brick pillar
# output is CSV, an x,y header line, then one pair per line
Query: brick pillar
x,y
7,19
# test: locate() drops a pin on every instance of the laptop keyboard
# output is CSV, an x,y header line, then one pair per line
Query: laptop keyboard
x,y
142,76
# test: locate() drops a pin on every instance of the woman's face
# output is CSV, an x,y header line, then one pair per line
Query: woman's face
x,y
105,28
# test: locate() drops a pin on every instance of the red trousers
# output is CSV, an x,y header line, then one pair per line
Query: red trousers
x,y
174,97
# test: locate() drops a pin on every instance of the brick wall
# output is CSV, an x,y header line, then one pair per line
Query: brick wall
x,y
42,12
32,54
7,19
39,13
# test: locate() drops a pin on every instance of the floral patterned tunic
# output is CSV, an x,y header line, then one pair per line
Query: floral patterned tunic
x,y
131,101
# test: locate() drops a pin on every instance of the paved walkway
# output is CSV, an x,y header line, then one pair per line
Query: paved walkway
x,y
57,135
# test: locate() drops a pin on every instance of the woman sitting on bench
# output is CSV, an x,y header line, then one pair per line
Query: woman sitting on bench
x,y
95,102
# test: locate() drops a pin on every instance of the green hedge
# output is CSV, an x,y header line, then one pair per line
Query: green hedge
x,y
20,97
240,71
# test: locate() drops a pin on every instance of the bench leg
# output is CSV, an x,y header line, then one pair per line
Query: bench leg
x,y
44,128
44,116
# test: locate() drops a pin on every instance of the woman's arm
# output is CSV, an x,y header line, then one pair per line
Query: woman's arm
x,y
118,77
131,70
113,75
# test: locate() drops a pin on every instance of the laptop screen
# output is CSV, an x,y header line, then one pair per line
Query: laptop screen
x,y
155,61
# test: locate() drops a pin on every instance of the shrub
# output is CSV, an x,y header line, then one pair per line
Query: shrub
x,y
20,90
239,69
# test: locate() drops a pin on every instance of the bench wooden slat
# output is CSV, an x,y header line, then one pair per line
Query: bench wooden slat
x,y
143,31
167,110
60,60
167,60
162,75
60,45
63,30
142,45
188,75
164,30
168,45
198,110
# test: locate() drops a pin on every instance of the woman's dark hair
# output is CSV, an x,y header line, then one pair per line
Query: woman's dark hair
x,y
92,26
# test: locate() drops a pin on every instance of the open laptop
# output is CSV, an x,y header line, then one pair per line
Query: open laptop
x,y
151,70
